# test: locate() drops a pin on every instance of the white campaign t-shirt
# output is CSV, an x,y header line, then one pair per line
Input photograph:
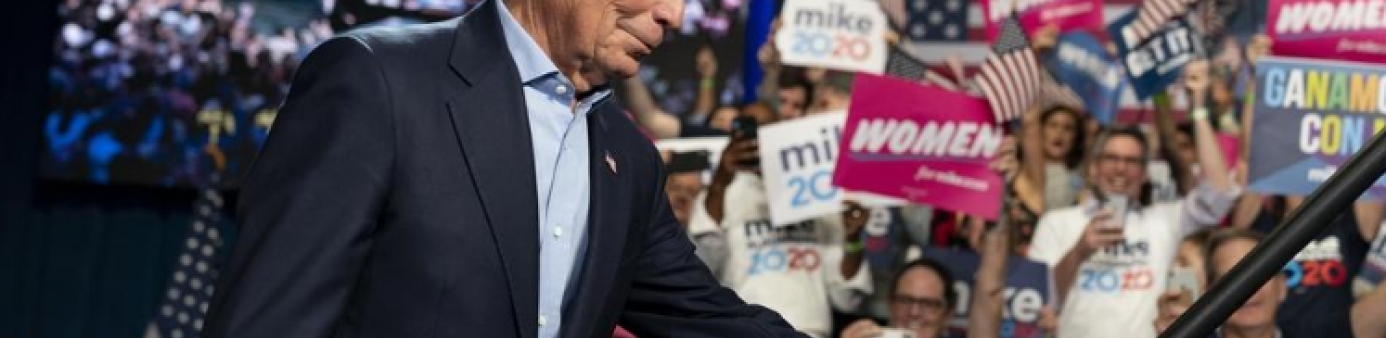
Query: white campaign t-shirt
x,y
1116,288
792,269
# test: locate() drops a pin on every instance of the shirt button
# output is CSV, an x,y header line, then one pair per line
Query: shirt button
x,y
562,90
543,320
557,232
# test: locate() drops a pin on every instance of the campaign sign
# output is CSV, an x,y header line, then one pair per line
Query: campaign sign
x,y
1027,291
1311,116
1068,15
796,159
921,143
1084,65
1157,62
1329,29
846,35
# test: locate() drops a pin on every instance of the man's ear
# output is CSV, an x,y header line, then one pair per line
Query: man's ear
x,y
1281,289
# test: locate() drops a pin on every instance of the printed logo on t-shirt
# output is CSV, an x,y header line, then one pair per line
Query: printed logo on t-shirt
x,y
789,248
881,231
1320,264
881,241
1121,267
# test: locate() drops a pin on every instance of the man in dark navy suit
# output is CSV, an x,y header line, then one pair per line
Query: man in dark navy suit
x,y
472,178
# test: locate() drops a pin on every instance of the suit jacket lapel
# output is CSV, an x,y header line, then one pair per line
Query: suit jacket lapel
x,y
493,130
607,226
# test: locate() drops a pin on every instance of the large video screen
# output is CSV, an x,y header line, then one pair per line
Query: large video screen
x,y
165,92
670,74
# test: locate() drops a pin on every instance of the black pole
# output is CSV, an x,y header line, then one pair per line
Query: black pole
x,y
1269,257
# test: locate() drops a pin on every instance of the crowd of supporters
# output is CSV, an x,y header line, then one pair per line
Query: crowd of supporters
x,y
866,272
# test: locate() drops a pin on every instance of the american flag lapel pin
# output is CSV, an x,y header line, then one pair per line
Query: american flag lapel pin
x,y
611,163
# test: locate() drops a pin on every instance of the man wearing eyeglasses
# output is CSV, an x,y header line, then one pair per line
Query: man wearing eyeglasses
x,y
1109,258
921,302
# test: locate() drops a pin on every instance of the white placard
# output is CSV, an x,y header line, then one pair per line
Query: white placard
x,y
846,35
797,159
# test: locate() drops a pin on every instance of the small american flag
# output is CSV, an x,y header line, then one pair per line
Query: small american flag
x,y
901,64
1010,77
190,289
1152,15
1052,93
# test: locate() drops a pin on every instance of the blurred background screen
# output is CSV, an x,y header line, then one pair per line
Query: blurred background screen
x,y
161,92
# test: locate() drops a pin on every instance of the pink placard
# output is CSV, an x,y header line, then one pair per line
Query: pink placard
x,y
1328,29
920,143
1068,15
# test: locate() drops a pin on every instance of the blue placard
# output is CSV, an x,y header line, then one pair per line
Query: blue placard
x,y
1027,292
1311,116
1081,62
1156,62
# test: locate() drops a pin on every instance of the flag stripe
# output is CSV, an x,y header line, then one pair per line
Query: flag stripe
x,y
1015,76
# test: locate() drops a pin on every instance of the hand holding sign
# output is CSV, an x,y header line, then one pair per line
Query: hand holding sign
x,y
854,218
1197,81
1259,46
1046,37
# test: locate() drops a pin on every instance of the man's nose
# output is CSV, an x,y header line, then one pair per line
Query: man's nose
x,y
669,14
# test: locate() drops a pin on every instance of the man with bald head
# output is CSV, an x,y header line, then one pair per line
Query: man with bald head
x,y
472,178
1256,317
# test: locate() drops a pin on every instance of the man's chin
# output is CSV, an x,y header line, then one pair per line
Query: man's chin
x,y
620,67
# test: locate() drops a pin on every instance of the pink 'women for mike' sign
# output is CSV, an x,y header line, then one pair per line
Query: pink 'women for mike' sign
x,y
924,144
1067,15
1329,29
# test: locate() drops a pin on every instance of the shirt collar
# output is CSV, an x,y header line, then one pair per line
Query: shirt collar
x,y
529,58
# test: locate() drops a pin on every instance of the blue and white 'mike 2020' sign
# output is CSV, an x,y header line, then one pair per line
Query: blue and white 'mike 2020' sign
x,y
1027,292
1158,61
1085,66
797,159
846,35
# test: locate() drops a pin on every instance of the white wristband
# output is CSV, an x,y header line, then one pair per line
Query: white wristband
x,y
1199,114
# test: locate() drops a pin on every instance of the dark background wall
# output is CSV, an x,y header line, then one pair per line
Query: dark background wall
x,y
76,260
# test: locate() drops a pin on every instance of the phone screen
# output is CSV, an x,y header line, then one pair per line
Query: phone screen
x,y
891,332
1184,280
1117,205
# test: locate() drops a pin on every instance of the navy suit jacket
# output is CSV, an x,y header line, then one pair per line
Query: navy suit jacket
x,y
395,197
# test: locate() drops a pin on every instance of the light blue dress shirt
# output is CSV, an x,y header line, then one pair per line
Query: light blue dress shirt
x,y
558,128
